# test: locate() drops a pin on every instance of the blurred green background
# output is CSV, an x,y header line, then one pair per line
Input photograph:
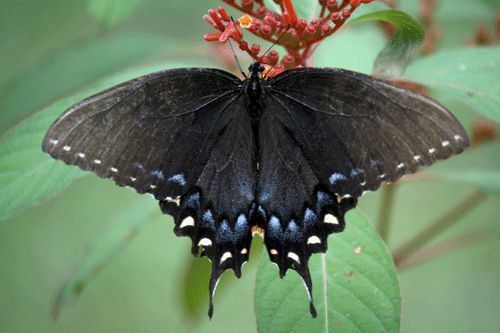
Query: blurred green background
x,y
52,49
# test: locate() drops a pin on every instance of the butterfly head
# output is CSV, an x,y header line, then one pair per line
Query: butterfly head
x,y
256,68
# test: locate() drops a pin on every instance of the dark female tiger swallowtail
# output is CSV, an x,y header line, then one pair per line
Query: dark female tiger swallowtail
x,y
285,156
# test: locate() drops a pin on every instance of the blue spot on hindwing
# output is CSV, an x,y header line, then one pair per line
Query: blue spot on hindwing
x,y
158,174
309,218
138,165
178,179
335,177
208,219
274,228
323,199
193,201
224,234
357,171
241,227
292,232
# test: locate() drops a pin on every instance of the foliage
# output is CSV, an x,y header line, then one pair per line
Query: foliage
x,y
58,53
356,288
394,58
112,12
127,226
459,73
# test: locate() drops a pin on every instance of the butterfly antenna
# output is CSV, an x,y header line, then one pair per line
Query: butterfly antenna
x,y
274,44
236,59
234,53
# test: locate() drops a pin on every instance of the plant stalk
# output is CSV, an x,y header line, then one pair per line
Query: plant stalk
x,y
437,227
384,220
444,247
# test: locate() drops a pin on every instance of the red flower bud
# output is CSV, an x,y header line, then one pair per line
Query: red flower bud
x,y
212,37
262,10
223,14
311,29
244,46
356,3
315,22
332,4
210,21
266,29
247,4
216,19
301,25
255,49
288,58
273,57
288,61
335,16
269,19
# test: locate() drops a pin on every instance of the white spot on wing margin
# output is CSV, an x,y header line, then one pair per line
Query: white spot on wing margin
x,y
187,222
225,256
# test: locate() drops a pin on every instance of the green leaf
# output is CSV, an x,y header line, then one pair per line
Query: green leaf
x,y
477,166
457,19
394,58
468,74
355,288
488,180
72,68
108,245
27,174
111,12
492,3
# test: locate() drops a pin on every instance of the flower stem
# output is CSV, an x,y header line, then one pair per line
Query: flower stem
x,y
444,247
442,223
384,220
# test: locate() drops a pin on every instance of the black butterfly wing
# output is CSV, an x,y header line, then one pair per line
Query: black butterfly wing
x,y
298,213
216,213
357,131
150,133
182,136
326,136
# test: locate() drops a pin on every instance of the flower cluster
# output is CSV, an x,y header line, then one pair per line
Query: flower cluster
x,y
298,36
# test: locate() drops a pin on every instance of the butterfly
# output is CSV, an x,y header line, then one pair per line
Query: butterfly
x,y
284,157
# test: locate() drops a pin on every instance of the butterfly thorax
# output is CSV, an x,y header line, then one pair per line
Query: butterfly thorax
x,y
254,90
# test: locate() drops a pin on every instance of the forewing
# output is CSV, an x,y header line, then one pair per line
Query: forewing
x,y
357,131
154,133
